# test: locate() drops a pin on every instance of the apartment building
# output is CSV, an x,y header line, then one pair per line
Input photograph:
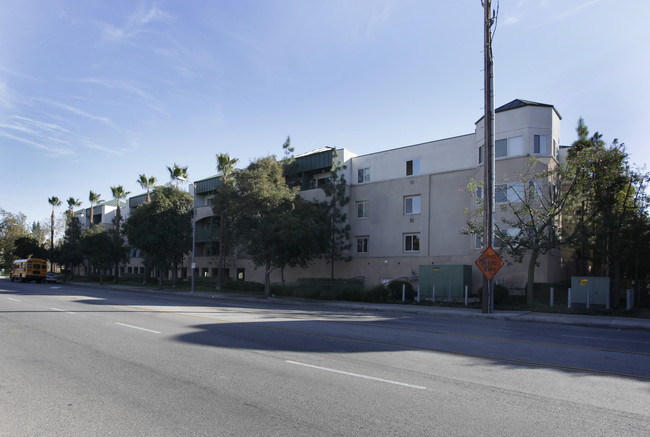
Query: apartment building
x,y
407,205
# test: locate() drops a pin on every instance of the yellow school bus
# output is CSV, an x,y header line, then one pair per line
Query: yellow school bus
x,y
32,269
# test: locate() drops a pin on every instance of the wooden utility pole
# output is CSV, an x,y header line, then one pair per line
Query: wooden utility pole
x,y
488,161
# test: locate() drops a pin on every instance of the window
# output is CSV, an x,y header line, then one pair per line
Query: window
x,y
411,242
363,209
362,244
323,182
540,145
509,147
511,193
480,155
413,167
501,193
364,175
412,205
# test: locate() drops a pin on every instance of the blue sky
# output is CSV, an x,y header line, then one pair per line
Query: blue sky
x,y
94,93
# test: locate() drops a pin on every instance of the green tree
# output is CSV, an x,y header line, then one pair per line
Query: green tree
x,y
610,200
147,184
531,208
304,235
177,174
12,227
162,229
39,232
69,254
265,201
225,167
337,191
94,199
97,246
28,247
119,252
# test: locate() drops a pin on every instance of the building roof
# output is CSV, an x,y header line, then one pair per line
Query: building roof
x,y
520,103
322,149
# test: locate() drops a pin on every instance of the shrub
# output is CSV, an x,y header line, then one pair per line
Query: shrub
x,y
501,294
378,294
395,288
244,286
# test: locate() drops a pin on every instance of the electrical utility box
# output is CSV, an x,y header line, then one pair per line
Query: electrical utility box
x,y
590,292
449,281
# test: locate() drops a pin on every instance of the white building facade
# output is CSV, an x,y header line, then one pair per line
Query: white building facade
x,y
408,205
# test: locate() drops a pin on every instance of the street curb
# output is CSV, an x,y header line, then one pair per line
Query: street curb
x,y
608,322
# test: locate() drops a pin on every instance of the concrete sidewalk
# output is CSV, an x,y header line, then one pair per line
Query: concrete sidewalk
x,y
424,310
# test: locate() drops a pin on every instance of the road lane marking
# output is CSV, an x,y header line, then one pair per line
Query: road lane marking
x,y
605,338
62,311
428,349
15,300
137,327
357,375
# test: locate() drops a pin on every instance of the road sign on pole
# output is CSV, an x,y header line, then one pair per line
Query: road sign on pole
x,y
489,263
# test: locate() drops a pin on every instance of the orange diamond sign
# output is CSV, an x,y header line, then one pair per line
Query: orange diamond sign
x,y
489,263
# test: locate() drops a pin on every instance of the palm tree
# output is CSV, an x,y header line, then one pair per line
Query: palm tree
x,y
72,203
177,174
54,201
147,184
225,167
94,199
119,194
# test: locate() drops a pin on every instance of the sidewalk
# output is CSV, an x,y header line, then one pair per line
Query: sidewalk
x,y
432,311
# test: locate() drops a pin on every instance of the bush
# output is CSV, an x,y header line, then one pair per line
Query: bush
x,y
244,286
378,294
395,288
501,294
351,293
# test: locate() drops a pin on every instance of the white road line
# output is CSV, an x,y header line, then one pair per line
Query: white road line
x,y
136,327
63,311
605,338
388,381
15,300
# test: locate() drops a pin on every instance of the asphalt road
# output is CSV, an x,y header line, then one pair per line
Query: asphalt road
x,y
84,361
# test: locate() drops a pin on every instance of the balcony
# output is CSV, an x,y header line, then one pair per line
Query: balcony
x,y
203,236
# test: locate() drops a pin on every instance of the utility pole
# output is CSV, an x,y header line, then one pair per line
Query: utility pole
x,y
488,150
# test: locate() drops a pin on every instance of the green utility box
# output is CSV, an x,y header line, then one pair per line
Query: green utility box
x,y
449,281
589,292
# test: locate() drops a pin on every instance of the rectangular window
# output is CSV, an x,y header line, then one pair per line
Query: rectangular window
x,y
411,242
501,148
364,175
480,155
412,205
501,193
363,209
509,147
362,244
540,145
413,167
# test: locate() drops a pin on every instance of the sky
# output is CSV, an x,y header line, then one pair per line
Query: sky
x,y
94,93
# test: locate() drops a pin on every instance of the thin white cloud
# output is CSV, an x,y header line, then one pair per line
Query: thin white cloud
x,y
140,96
80,112
58,151
563,15
135,24
95,146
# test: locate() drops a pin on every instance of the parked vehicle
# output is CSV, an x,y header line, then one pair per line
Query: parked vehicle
x,y
32,269
50,278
